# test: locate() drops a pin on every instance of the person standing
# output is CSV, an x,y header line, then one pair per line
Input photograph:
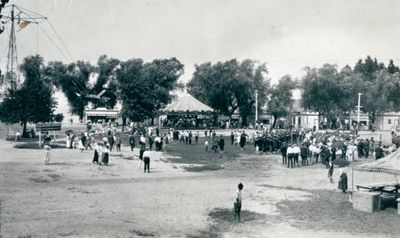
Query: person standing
x,y
96,155
196,137
190,137
206,144
110,140
118,142
290,155
146,160
47,147
342,181
221,144
238,202
132,141
284,149
232,137
304,154
242,140
330,170
151,142
296,152
379,153
68,142
106,155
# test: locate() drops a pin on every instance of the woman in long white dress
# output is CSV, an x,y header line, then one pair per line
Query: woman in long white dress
x,y
68,141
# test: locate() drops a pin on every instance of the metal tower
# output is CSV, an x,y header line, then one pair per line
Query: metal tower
x,y
22,17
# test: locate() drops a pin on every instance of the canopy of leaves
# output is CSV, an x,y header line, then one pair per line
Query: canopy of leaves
x,y
281,101
33,101
227,86
74,80
145,87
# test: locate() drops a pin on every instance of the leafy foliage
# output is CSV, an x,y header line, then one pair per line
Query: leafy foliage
x,y
145,87
228,86
33,102
281,102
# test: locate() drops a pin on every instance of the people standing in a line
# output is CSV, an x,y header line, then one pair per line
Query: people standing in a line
x,y
47,147
146,160
290,156
238,202
118,142
106,152
342,181
132,141
330,171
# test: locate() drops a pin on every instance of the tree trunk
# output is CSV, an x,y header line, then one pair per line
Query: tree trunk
x,y
24,133
152,121
372,118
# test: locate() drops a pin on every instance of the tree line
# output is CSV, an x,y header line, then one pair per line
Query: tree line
x,y
144,88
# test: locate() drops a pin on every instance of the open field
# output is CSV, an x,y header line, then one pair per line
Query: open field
x,y
189,193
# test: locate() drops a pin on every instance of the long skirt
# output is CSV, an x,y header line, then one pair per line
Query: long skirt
x,y
95,157
105,159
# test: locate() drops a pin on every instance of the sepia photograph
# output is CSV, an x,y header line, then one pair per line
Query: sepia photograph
x,y
199,118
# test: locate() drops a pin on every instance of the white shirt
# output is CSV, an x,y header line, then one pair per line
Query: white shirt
x,y
290,150
146,154
296,150
239,196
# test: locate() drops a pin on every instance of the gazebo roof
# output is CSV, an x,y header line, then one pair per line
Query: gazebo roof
x,y
187,103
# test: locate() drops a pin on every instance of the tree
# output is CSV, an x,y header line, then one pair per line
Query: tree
x,y
33,102
228,86
280,102
106,80
145,88
73,81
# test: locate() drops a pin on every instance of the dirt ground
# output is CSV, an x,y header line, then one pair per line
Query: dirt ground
x,y
189,193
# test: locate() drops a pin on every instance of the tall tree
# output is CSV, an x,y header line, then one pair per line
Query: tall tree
x,y
73,81
145,87
228,86
281,102
33,102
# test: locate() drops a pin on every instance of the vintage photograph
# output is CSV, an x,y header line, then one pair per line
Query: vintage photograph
x,y
199,118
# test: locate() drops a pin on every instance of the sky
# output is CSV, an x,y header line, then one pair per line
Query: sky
x,y
286,34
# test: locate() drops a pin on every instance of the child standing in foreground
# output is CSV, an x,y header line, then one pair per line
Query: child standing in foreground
x,y
238,202
206,145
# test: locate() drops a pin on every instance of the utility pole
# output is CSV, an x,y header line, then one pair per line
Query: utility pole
x,y
256,118
358,111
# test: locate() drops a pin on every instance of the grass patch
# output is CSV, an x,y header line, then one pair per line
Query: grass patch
x,y
35,146
196,154
203,168
333,212
141,233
